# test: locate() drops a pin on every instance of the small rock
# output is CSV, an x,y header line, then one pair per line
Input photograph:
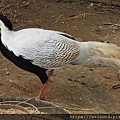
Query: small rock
x,y
80,99
5,69
7,73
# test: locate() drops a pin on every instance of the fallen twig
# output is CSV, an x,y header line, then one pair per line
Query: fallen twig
x,y
58,18
83,15
107,34
116,86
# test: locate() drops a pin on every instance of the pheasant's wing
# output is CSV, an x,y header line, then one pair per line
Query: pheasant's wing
x,y
56,51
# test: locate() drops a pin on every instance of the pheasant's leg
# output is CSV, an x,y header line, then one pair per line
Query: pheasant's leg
x,y
44,85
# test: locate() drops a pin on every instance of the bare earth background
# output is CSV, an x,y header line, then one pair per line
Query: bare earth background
x,y
79,89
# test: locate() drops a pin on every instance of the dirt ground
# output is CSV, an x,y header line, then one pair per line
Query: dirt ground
x,y
78,88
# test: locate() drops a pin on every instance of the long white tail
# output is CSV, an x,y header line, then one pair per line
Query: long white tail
x,y
98,54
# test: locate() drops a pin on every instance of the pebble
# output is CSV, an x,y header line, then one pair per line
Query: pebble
x,y
7,73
